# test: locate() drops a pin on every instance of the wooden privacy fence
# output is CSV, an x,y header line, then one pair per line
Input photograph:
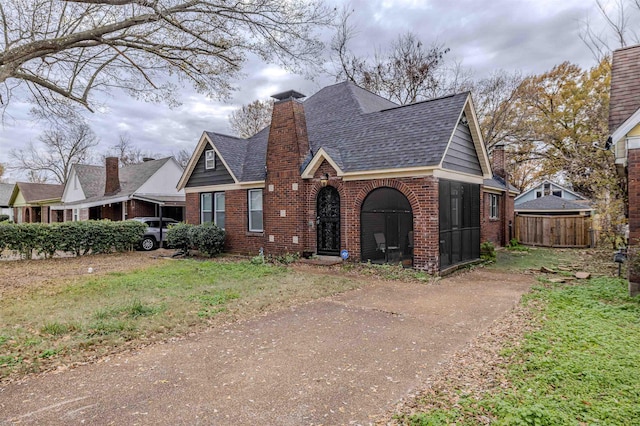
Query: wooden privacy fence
x,y
553,231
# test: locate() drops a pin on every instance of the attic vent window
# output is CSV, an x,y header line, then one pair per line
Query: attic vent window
x,y
210,160
464,121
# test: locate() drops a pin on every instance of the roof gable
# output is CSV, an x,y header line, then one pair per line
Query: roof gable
x,y
224,148
132,177
37,192
541,185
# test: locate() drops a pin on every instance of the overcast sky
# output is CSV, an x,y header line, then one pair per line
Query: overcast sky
x,y
527,35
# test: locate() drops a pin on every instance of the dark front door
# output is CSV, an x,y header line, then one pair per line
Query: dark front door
x,y
328,221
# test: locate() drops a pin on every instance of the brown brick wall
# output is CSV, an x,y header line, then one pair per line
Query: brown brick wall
x,y
490,229
496,230
137,208
239,239
112,179
192,208
284,195
634,195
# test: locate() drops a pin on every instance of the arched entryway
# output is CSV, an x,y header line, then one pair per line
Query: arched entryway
x,y
386,227
328,221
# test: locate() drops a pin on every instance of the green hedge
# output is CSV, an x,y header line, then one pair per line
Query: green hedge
x,y
206,238
78,238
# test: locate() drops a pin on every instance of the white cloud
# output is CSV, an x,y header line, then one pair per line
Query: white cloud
x,y
529,35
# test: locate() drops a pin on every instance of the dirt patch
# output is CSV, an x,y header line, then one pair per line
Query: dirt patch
x,y
337,360
25,275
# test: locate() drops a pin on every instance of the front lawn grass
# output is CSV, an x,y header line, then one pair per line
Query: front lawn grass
x,y
62,323
579,366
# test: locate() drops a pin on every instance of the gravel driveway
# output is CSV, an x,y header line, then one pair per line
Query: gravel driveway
x,y
339,360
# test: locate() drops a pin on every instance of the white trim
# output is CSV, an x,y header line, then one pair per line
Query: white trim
x,y
249,211
492,190
85,205
459,176
494,208
315,163
226,187
633,142
389,173
216,210
627,126
206,160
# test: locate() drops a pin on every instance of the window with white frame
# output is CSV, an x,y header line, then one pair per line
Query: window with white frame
x,y
210,159
255,210
206,207
493,206
218,209
212,208
76,215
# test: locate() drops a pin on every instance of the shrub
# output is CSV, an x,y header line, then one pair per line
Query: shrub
x,y
4,217
207,238
487,251
179,236
78,238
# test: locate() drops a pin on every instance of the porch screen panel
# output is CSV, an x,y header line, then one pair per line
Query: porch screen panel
x,y
386,226
459,222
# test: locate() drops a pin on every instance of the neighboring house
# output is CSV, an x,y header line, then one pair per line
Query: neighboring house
x,y
120,193
32,202
347,170
547,188
6,190
624,128
498,199
554,216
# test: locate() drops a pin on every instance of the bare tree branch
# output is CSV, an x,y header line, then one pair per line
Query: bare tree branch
x,y
70,48
60,147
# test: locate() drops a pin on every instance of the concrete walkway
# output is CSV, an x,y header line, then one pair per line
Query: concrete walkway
x,y
341,360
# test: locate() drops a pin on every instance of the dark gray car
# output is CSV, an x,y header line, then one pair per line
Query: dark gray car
x,y
151,239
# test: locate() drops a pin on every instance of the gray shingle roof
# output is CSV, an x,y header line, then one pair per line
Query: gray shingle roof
x,y
92,179
6,189
551,202
498,182
359,130
34,192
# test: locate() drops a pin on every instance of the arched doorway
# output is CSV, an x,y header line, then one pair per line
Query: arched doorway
x,y
328,221
386,227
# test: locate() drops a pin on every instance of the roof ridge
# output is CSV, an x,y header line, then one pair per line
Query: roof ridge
x,y
453,95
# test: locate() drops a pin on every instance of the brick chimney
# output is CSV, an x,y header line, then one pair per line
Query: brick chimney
x,y
112,181
498,161
284,193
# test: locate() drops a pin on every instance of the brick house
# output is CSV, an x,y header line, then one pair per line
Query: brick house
x,y
348,170
119,193
624,130
498,197
32,202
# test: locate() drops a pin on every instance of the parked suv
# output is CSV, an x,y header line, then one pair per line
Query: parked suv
x,y
151,238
